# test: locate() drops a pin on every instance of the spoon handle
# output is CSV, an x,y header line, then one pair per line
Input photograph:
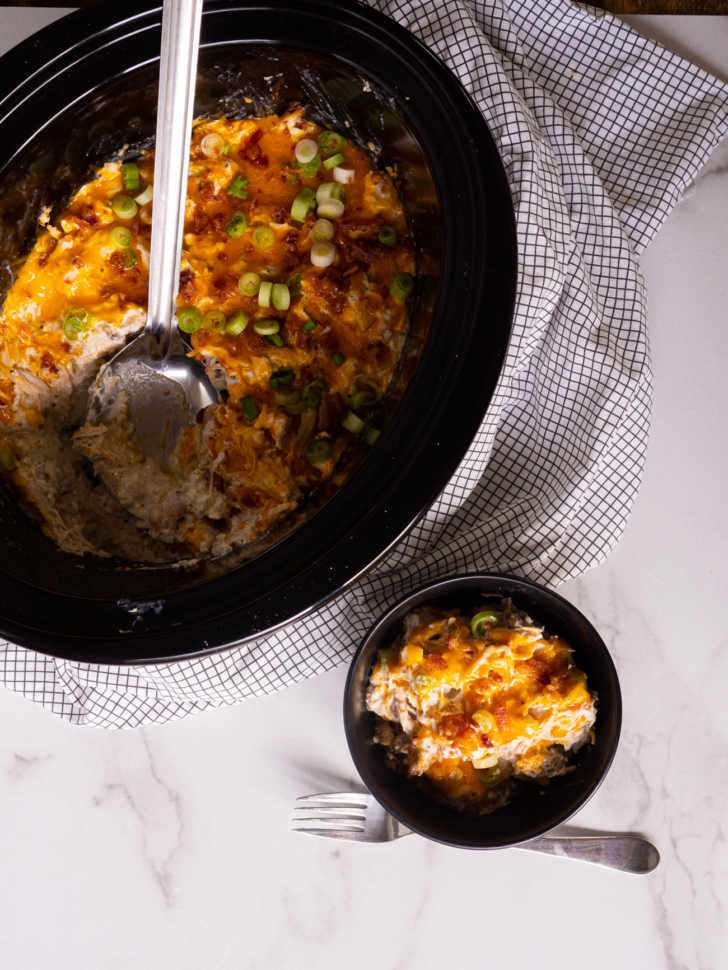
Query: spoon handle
x,y
177,76
628,853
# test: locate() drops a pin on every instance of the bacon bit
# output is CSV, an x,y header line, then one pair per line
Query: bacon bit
x,y
256,342
360,253
280,215
117,260
200,221
251,141
186,278
252,150
433,661
48,362
494,675
66,346
457,725
538,669
221,283
291,242
88,215
43,258
500,715
205,190
485,741
333,294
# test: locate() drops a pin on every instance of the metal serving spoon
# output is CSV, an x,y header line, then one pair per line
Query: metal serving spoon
x,y
166,389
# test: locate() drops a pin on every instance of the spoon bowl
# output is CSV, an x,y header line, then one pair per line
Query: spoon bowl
x,y
164,394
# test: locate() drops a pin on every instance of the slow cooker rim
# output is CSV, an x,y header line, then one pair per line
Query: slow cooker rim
x,y
145,647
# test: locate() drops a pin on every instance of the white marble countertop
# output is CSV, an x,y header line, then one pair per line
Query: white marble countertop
x,y
168,847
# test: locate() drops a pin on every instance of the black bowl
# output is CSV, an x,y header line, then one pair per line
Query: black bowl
x,y
76,92
535,809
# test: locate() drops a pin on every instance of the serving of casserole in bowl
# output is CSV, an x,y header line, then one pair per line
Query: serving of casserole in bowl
x,y
348,278
482,710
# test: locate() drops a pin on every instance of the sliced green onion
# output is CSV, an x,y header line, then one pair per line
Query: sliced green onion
x,y
121,237
302,204
343,175
330,142
331,208
338,358
130,176
130,259
7,460
311,168
287,398
306,150
402,286
237,225
371,435
330,190
362,399
237,187
312,394
275,339
352,422
145,196
250,408
266,328
282,377
309,325
323,254
249,283
226,148
322,231
264,291
237,323
318,450
75,321
281,296
294,284
334,161
214,320
124,206
264,237
212,145
189,320
387,236
481,620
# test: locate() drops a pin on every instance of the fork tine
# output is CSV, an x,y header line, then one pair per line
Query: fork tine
x,y
358,820
355,824
337,811
358,799
348,835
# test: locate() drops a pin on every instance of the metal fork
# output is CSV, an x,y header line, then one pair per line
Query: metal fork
x,y
358,817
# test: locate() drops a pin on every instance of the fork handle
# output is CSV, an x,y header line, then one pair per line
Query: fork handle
x,y
628,853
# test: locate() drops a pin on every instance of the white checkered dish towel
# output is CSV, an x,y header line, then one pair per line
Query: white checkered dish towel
x,y
601,132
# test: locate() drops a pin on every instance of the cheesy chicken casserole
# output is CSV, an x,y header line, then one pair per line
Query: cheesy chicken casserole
x,y
296,268
476,705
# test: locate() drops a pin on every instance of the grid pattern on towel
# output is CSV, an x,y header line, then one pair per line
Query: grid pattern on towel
x,y
600,131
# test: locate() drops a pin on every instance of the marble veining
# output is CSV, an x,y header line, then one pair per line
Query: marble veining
x,y
169,848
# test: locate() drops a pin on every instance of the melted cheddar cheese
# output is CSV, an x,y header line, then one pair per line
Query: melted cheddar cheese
x,y
475,710
255,457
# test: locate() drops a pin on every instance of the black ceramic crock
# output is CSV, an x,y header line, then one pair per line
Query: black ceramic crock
x,y
73,95
535,809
